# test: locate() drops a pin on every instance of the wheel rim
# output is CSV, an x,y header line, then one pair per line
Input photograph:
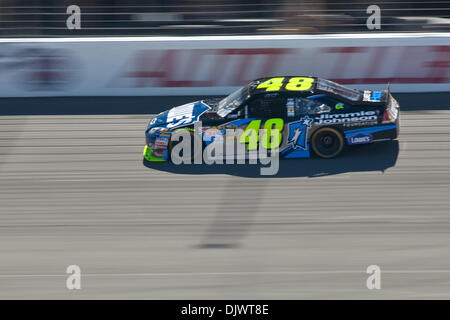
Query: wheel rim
x,y
327,143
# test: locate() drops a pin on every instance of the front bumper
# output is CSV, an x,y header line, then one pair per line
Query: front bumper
x,y
155,156
156,147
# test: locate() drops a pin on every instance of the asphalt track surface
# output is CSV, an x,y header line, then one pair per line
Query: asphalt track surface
x,y
75,191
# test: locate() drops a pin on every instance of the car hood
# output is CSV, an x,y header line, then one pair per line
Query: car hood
x,y
180,116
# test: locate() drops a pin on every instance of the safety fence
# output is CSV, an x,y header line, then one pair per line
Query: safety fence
x,y
41,18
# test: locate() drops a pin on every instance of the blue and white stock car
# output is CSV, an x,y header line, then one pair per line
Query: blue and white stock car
x,y
313,115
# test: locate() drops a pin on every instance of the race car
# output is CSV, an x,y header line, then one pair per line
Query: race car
x,y
313,115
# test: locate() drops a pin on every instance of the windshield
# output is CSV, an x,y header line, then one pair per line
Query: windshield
x,y
234,100
333,87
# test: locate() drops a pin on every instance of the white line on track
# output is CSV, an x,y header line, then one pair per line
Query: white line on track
x,y
156,274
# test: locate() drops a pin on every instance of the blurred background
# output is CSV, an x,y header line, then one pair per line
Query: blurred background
x,y
75,191
37,18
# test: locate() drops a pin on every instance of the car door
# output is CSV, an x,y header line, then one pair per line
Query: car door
x,y
301,112
265,111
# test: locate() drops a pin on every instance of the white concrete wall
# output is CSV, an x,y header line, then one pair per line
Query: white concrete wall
x,y
144,66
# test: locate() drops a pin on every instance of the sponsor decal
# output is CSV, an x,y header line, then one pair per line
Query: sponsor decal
x,y
343,118
160,154
185,114
339,106
372,96
213,135
360,124
298,133
359,138
223,67
151,122
161,142
41,69
393,112
290,107
213,132
180,115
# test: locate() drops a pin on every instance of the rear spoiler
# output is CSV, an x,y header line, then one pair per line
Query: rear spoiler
x,y
388,89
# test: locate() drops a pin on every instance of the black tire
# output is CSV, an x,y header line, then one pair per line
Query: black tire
x,y
327,142
193,136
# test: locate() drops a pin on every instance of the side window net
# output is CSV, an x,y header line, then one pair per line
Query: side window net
x,y
267,108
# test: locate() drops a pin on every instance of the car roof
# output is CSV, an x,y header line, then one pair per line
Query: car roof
x,y
253,85
313,90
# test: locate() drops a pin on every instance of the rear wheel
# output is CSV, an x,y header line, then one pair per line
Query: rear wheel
x,y
327,142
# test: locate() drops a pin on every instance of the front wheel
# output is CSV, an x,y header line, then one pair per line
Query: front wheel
x,y
327,142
